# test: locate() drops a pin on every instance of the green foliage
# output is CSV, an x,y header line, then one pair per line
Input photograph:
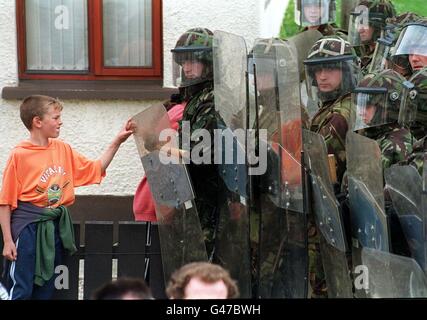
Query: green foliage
x,y
289,27
417,6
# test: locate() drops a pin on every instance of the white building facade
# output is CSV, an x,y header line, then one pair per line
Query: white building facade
x,y
91,123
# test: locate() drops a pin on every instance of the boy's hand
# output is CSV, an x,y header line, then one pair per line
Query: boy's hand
x,y
126,131
121,137
9,251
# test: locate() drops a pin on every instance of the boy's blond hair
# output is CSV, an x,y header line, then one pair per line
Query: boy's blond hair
x,y
37,106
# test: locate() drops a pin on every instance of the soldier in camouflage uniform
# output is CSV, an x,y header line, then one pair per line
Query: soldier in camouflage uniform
x,y
416,117
279,248
364,34
377,101
411,46
193,73
382,58
331,73
318,15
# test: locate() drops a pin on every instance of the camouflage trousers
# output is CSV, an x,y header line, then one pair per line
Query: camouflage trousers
x,y
316,273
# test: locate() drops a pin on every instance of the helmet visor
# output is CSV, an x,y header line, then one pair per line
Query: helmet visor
x,y
371,107
359,31
314,12
191,66
328,79
412,40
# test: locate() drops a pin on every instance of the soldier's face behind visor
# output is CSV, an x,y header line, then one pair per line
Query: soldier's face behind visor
x,y
313,12
367,113
328,79
365,33
192,69
417,61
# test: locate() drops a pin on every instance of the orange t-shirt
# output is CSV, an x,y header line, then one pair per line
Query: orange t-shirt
x,y
46,176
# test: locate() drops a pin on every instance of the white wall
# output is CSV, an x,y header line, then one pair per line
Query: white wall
x,y
90,125
272,13
240,17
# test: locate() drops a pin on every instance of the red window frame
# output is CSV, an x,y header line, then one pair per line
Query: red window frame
x,y
97,70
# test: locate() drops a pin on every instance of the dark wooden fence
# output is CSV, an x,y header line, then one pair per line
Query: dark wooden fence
x,y
100,244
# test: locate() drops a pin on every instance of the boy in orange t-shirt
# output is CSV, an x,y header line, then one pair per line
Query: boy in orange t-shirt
x,y
38,184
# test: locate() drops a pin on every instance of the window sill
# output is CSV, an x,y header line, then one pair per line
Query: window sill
x,y
90,90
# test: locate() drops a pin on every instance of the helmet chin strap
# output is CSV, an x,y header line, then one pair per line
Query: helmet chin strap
x,y
329,96
188,91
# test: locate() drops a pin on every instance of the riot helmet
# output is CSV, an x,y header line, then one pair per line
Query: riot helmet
x,y
309,13
332,69
382,58
192,58
277,71
264,58
377,99
368,20
414,106
412,44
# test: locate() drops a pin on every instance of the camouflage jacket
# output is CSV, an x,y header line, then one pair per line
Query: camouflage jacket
x,y
200,110
330,30
366,54
332,122
200,113
418,155
396,144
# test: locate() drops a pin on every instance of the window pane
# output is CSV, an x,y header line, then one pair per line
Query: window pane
x,y
56,32
127,33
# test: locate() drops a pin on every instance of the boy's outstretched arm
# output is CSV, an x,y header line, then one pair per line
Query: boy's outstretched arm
x,y
121,137
9,248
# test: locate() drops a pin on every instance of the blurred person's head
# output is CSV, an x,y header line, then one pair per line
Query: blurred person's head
x,y
123,289
201,280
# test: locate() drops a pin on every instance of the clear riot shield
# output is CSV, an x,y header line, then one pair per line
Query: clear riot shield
x,y
181,237
346,8
369,222
282,264
385,275
333,246
404,184
303,42
366,192
232,246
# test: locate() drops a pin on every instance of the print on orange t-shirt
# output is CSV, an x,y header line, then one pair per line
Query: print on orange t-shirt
x,y
46,176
